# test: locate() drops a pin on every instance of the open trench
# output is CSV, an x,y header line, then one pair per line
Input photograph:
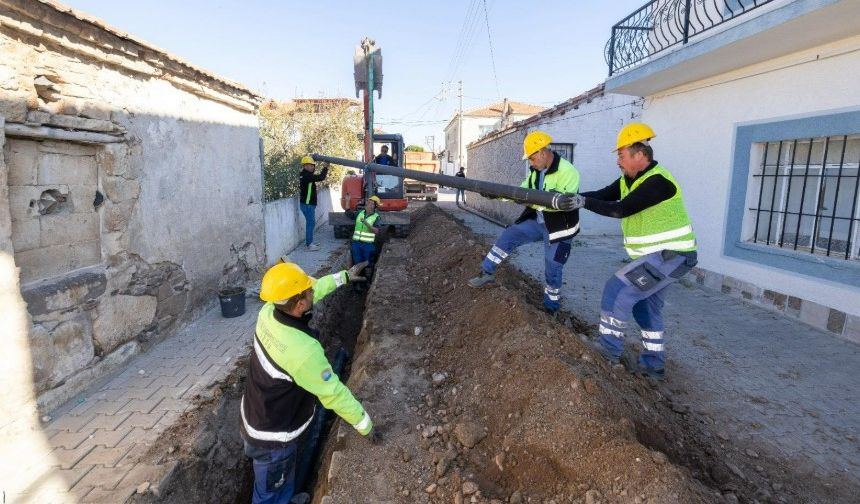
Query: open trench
x,y
480,397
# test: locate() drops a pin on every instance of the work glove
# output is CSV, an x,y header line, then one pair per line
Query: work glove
x,y
374,437
354,273
569,202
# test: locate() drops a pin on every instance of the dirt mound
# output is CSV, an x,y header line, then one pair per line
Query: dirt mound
x,y
484,398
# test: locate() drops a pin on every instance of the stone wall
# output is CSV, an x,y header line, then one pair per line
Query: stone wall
x,y
590,121
132,182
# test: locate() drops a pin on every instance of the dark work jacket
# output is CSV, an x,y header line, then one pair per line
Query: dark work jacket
x,y
559,225
264,393
308,186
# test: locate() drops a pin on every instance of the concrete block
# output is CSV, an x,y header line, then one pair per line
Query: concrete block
x,y
74,289
60,352
835,321
25,234
45,262
773,299
119,189
81,198
69,229
851,331
713,280
793,307
814,314
120,318
64,169
21,156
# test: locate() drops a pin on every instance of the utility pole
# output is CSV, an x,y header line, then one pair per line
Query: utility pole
x,y
460,129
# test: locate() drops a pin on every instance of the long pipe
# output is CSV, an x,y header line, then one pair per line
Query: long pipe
x,y
519,194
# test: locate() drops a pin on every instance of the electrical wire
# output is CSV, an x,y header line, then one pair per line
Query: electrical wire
x,y
492,56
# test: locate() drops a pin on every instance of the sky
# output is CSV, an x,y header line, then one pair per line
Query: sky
x,y
540,51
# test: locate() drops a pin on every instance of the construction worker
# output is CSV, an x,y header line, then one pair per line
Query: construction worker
x,y
308,196
383,158
363,246
460,193
556,228
288,372
658,236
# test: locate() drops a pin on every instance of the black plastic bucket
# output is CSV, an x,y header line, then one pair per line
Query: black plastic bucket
x,y
232,301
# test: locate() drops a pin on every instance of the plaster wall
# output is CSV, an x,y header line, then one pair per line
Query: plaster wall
x,y
285,224
696,126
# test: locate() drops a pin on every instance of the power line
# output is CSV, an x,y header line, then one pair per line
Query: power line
x,y
492,56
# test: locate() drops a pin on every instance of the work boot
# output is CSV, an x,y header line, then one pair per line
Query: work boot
x,y
632,365
608,357
484,279
313,247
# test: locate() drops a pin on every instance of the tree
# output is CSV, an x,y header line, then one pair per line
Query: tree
x,y
292,130
414,148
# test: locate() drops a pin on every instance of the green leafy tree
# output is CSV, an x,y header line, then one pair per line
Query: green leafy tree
x,y
414,148
292,130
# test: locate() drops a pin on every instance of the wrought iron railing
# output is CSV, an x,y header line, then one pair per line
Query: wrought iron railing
x,y
661,24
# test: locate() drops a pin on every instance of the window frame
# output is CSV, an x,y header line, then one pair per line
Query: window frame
x,y
749,140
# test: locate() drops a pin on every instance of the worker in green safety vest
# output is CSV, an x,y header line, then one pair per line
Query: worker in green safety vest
x,y
288,372
363,246
658,237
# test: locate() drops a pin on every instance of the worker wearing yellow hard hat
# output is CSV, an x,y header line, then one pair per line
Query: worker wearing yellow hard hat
x,y
548,171
658,236
367,226
308,196
288,372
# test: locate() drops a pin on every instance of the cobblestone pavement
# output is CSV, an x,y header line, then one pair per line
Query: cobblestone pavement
x,y
763,382
93,442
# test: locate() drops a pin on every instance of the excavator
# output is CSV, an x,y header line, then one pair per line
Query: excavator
x,y
386,180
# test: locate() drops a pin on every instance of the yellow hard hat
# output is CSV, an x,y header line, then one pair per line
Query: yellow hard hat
x,y
535,141
632,133
307,160
375,199
283,281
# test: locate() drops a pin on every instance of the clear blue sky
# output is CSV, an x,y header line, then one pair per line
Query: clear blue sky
x,y
545,51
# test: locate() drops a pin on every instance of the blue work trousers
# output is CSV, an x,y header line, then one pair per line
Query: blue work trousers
x,y
309,211
639,289
555,256
363,251
274,473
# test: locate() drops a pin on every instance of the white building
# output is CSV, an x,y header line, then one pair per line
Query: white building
x,y
476,124
583,129
757,114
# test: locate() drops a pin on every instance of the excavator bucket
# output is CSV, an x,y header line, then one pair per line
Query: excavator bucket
x,y
364,51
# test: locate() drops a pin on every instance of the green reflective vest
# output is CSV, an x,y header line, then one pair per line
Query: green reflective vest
x,y
564,179
362,232
664,226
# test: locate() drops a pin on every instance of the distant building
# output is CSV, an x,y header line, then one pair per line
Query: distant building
x,y
478,123
756,106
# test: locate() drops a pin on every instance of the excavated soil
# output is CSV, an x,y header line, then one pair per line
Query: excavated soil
x,y
482,397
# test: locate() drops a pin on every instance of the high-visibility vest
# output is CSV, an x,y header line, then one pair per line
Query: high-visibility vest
x,y
362,232
664,226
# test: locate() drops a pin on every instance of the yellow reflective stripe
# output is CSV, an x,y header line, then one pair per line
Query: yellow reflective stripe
x,y
658,237
675,245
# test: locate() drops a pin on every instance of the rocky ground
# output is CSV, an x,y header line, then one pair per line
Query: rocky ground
x,y
480,397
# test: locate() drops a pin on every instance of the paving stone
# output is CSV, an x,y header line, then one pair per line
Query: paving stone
x,y
71,423
108,407
69,440
170,392
104,477
108,422
169,381
111,438
143,420
119,495
180,405
107,457
67,459
139,406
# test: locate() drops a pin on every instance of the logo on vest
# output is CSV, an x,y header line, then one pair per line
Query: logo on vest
x,y
326,375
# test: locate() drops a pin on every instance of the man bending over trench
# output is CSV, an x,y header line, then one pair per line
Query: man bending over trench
x,y
288,372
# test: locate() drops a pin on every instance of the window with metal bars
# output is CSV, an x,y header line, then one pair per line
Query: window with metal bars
x,y
808,196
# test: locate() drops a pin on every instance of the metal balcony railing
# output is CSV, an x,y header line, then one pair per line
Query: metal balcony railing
x,y
661,24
